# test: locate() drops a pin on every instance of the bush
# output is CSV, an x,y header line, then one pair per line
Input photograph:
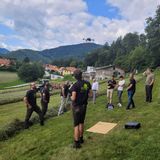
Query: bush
x,y
29,72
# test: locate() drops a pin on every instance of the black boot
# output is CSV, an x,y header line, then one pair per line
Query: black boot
x,y
42,123
81,140
76,145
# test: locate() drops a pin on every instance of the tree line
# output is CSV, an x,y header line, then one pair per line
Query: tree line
x,y
133,51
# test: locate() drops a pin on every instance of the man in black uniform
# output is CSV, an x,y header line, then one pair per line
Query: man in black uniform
x,y
80,93
45,97
31,104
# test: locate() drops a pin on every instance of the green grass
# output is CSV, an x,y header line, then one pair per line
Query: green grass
x,y
53,141
15,94
8,79
66,78
13,111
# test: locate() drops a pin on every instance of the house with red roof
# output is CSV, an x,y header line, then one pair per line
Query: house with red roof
x,y
5,62
62,70
49,67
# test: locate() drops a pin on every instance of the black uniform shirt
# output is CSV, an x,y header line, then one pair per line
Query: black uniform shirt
x,y
82,89
46,95
31,97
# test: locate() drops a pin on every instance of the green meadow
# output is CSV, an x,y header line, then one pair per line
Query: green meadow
x,y
8,79
54,140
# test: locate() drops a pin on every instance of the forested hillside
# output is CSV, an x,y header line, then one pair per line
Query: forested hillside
x,y
48,55
133,51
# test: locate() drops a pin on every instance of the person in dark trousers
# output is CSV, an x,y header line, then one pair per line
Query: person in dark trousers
x,y
131,91
31,104
80,90
149,84
45,97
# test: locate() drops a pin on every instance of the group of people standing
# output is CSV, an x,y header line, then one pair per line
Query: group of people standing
x,y
131,88
112,85
78,93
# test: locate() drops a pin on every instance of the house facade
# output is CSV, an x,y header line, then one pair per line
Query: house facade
x,y
67,70
101,73
108,71
49,67
5,62
60,70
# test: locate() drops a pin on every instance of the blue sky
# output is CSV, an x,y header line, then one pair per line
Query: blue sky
x,y
48,24
102,8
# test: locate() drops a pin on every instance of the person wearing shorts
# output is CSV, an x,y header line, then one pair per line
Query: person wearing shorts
x,y
110,88
80,92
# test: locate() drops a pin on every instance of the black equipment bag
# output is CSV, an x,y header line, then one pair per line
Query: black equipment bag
x,y
132,125
110,106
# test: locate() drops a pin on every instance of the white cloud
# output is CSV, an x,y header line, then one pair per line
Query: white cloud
x,y
42,24
134,13
135,9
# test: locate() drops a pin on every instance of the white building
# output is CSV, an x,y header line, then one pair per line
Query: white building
x,y
101,73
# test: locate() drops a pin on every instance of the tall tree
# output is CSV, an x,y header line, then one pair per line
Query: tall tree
x,y
153,37
131,41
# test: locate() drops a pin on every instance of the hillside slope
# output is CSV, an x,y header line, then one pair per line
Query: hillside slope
x,y
53,141
76,51
62,52
23,53
3,51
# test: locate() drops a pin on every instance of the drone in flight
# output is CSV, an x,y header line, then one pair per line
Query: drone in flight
x,y
88,39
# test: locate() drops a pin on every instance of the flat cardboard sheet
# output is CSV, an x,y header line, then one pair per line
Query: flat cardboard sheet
x,y
102,127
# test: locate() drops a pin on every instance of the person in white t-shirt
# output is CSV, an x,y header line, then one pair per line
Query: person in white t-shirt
x,y
120,87
95,87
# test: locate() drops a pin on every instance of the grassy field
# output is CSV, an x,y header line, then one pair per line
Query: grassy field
x,y
8,79
10,112
53,141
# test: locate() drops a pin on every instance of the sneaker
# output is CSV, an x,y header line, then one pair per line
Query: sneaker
x,y
59,113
